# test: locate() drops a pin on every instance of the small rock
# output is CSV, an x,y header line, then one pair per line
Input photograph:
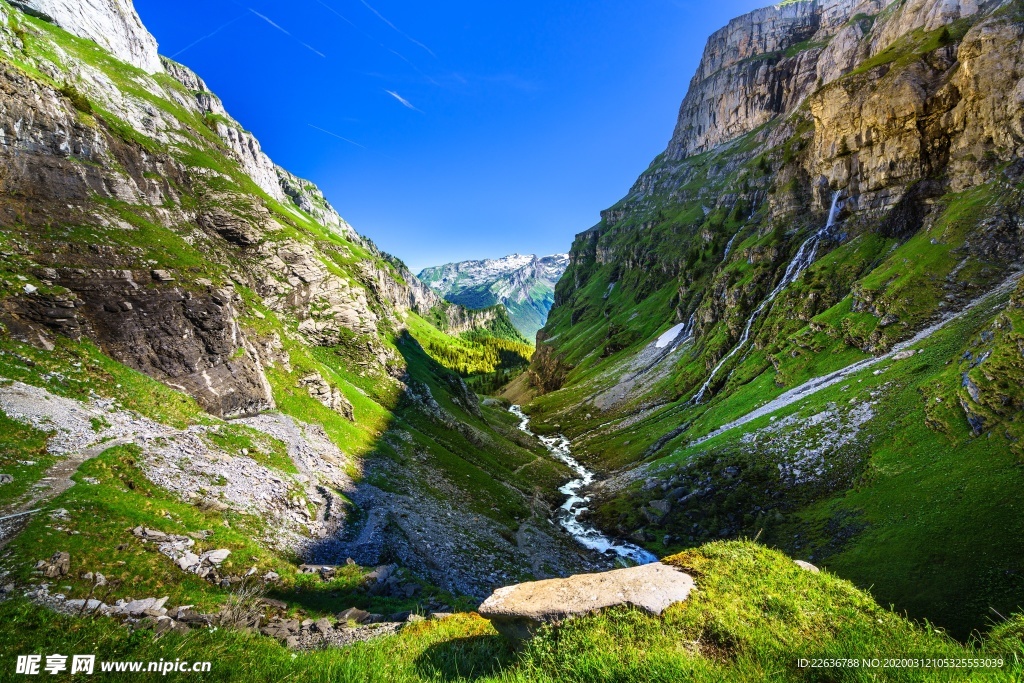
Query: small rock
x,y
322,626
353,614
59,565
187,561
807,566
162,275
215,557
6,478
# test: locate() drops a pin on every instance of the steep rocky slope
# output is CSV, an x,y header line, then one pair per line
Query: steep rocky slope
x,y
843,176
525,285
160,273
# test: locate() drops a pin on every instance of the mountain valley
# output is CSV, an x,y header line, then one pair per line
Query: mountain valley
x,y
233,429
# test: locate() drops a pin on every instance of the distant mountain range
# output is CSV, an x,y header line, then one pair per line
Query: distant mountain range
x,y
525,284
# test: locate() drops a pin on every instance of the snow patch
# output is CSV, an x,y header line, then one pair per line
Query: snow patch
x,y
669,336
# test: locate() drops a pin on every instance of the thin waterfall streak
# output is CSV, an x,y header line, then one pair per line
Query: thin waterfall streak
x,y
803,258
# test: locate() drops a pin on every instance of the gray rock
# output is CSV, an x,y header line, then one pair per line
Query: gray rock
x,y
517,611
215,557
187,561
59,565
6,478
807,566
353,614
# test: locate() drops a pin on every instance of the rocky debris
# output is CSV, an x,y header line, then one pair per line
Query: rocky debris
x,y
329,396
186,462
161,276
141,613
309,634
415,531
355,615
141,607
178,548
808,448
518,611
326,572
57,566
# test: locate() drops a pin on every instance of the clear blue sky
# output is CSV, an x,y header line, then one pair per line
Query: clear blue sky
x,y
521,121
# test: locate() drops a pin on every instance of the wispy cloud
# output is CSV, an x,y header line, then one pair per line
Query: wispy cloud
x,y
324,130
398,30
370,38
271,22
405,103
211,34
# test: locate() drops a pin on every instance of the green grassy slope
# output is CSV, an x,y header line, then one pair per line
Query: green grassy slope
x,y
754,615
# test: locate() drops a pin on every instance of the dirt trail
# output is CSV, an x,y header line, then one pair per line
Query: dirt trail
x,y
56,481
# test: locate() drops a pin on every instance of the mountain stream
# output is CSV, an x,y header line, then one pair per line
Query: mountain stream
x,y
576,501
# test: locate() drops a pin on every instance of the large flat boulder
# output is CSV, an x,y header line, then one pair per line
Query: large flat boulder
x,y
517,611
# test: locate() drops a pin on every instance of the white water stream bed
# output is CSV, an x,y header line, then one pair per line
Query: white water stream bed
x,y
577,501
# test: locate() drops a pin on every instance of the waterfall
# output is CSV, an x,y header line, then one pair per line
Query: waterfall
x,y
804,257
728,247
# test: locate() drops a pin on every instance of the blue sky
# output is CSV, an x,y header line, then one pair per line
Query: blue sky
x,y
452,130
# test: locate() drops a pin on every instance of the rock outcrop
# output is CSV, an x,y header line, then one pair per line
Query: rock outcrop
x,y
518,611
114,24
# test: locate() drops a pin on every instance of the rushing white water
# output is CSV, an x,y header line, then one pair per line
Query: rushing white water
x,y
728,247
576,502
804,257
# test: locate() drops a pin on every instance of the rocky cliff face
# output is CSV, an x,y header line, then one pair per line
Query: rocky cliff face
x,y
64,147
114,24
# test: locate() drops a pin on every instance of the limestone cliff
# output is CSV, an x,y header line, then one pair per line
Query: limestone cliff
x,y
114,24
